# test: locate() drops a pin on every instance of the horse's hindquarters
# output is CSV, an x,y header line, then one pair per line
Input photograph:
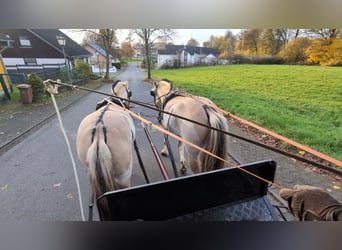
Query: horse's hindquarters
x,y
106,149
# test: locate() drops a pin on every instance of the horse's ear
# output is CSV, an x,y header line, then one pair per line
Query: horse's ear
x,y
126,83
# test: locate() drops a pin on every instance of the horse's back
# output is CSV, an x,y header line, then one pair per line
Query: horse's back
x,y
191,109
118,131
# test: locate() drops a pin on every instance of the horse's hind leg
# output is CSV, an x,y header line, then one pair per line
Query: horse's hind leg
x,y
194,160
194,165
181,157
164,150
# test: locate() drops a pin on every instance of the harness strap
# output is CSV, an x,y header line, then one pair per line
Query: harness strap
x,y
100,120
168,97
104,102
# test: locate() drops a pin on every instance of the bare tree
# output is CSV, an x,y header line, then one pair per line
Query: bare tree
x,y
149,36
106,38
326,33
193,42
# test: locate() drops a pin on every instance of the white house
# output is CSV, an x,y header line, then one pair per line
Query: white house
x,y
174,56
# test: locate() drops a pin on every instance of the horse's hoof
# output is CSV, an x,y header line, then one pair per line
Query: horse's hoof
x,y
163,153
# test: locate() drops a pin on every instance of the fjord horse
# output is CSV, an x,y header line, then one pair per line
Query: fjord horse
x,y
105,143
196,109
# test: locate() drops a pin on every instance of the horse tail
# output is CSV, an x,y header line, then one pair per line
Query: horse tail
x,y
217,142
100,167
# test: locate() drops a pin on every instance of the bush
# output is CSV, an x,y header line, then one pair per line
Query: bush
x,y
267,60
144,64
82,69
38,88
294,51
117,65
242,59
325,52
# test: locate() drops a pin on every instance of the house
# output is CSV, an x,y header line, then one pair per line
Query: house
x,y
98,57
37,50
183,56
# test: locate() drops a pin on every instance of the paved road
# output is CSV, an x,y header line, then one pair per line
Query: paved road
x,y
37,180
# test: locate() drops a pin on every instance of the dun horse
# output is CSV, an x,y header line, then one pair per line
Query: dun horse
x,y
105,143
197,109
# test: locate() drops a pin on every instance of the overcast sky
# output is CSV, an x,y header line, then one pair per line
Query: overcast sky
x,y
184,35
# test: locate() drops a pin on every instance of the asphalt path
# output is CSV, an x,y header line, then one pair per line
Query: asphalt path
x,y
37,181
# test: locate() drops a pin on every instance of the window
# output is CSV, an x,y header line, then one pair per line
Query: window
x,y
30,61
24,41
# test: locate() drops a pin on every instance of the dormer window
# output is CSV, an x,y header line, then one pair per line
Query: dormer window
x,y
24,41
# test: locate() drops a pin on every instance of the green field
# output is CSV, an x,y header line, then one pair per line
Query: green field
x,y
303,103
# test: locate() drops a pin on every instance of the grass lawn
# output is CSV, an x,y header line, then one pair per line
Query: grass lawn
x,y
303,103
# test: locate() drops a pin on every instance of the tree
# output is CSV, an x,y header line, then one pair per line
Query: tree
x,y
250,41
268,42
231,39
326,52
127,50
149,36
294,51
193,42
106,38
224,45
325,34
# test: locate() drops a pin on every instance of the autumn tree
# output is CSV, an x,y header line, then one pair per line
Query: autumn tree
x,y
268,42
224,45
249,42
326,52
149,36
127,50
294,52
230,39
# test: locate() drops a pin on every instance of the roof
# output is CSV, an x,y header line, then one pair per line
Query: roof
x,y
72,48
98,48
5,42
171,49
44,44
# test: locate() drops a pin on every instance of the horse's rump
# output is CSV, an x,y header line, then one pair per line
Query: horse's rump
x,y
106,149
209,139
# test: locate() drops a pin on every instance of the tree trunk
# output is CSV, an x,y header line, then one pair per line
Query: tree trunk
x,y
148,60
